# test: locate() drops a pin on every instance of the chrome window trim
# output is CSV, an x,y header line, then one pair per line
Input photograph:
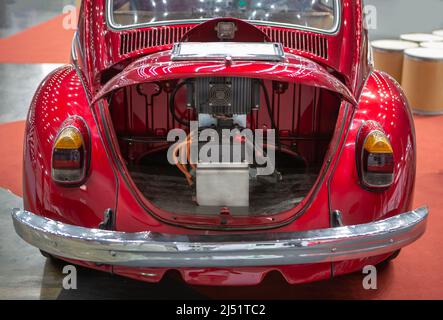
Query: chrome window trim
x,y
111,25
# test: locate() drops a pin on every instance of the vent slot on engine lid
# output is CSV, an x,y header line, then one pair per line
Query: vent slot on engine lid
x,y
314,44
135,40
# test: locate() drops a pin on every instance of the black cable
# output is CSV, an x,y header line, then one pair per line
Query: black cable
x,y
172,105
271,116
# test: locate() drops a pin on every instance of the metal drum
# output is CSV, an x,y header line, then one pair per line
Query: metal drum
x,y
388,56
423,80
433,45
421,37
319,20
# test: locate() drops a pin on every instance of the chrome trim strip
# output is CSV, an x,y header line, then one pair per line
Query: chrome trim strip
x,y
73,51
74,45
148,249
334,31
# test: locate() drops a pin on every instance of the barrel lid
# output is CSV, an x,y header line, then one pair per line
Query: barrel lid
x,y
435,45
438,33
421,37
393,45
425,53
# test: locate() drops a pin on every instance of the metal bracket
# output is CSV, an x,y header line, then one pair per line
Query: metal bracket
x,y
335,219
108,220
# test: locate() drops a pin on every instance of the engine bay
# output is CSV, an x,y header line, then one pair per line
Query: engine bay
x,y
198,145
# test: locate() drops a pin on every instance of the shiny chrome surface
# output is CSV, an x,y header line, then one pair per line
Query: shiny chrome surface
x,y
147,249
247,51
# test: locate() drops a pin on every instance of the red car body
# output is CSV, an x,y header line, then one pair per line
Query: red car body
x,y
105,59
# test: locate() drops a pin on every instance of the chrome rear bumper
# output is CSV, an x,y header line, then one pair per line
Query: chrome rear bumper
x,y
147,249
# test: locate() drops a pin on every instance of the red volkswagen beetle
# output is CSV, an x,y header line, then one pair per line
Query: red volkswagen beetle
x,y
224,139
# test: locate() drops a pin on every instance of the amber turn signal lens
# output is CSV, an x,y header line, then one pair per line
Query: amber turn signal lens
x,y
69,138
377,142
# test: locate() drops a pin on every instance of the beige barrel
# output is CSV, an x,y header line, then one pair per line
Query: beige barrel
x,y
319,20
438,33
388,56
423,80
432,45
421,37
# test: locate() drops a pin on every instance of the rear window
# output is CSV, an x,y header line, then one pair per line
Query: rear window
x,y
311,14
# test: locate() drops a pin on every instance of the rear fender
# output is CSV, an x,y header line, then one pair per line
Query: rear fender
x,y
382,100
62,95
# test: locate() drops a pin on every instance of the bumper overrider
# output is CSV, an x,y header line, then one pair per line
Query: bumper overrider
x,y
148,249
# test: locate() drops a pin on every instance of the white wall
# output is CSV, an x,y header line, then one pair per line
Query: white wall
x,y
395,17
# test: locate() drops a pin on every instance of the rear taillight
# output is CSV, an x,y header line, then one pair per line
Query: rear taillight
x,y
70,152
375,157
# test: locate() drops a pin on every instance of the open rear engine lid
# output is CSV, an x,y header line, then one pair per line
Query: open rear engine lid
x,y
162,66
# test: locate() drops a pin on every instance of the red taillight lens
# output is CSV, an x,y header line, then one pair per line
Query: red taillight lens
x,y
378,169
69,161
376,157
378,162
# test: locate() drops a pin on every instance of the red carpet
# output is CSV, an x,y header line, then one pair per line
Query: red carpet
x,y
415,274
48,42
11,153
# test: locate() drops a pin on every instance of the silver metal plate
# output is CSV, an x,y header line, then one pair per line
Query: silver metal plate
x,y
262,51
223,184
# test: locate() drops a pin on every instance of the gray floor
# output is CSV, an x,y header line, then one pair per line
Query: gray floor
x,y
16,15
24,273
18,82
